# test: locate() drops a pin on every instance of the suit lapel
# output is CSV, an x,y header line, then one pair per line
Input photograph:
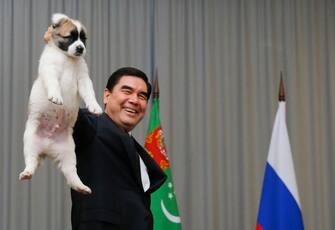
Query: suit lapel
x,y
156,175
133,156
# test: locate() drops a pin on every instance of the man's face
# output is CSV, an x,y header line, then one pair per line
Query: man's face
x,y
127,102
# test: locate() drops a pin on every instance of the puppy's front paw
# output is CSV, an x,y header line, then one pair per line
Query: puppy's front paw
x,y
25,175
94,108
56,99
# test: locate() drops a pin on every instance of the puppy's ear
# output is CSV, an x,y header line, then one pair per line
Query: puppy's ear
x,y
58,18
48,34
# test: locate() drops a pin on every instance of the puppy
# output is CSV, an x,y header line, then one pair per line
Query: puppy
x,y
54,100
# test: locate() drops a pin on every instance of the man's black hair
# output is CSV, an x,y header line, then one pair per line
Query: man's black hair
x,y
128,71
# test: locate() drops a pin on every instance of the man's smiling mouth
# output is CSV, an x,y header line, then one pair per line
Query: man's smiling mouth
x,y
130,110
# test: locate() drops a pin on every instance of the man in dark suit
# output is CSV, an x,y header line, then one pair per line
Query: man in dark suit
x,y
119,171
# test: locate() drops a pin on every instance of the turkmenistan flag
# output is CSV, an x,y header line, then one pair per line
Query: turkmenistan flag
x,y
163,201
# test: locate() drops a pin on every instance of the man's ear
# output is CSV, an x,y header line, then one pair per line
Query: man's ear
x,y
106,95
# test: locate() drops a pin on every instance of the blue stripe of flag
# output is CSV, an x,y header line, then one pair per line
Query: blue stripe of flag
x,y
278,209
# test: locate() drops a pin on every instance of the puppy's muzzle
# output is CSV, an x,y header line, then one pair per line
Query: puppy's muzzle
x,y
79,50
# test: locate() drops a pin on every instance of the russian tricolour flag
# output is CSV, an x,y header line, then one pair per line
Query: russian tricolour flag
x,y
279,205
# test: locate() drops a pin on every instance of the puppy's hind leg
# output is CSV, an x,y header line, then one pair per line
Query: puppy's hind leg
x,y
69,170
31,151
67,163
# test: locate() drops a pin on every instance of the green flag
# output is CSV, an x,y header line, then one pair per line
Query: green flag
x,y
163,201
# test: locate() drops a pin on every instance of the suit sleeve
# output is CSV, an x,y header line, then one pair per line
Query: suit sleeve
x,y
84,129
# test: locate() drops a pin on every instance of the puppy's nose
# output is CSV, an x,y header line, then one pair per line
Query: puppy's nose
x,y
79,49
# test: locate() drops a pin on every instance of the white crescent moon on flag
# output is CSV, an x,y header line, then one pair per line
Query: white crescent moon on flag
x,y
172,218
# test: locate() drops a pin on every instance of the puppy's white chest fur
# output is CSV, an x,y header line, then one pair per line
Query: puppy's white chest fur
x,y
68,72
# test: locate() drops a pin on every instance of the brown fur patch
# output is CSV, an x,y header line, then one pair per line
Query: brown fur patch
x,y
64,28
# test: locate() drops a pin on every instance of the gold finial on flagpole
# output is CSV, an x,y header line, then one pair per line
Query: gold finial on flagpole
x,y
281,88
156,86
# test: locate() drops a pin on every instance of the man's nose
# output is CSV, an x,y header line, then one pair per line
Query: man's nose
x,y
133,99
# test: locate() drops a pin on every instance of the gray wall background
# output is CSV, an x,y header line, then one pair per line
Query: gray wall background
x,y
219,63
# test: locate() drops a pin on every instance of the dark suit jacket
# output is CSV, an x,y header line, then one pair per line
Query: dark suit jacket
x,y
108,163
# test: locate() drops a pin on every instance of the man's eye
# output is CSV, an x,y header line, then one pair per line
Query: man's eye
x,y
127,91
142,97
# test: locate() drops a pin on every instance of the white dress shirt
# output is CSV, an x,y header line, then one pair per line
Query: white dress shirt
x,y
144,173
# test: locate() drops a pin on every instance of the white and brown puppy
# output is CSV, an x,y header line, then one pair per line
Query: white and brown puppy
x,y
54,100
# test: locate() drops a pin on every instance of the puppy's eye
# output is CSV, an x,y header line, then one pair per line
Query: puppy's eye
x,y
83,37
66,37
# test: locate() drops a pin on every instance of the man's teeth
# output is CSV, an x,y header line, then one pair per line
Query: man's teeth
x,y
130,110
